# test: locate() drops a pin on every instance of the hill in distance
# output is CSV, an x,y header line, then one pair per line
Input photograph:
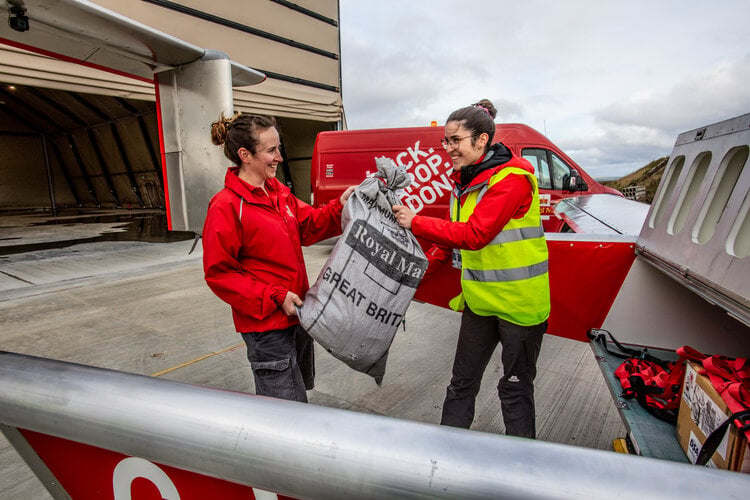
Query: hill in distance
x,y
648,176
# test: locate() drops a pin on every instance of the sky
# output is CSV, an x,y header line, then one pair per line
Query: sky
x,y
611,83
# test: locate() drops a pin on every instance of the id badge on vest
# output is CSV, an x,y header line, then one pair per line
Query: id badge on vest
x,y
456,258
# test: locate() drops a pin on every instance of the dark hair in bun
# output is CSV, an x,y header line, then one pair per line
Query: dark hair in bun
x,y
488,106
479,118
240,131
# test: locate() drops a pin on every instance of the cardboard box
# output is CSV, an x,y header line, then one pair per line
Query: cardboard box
x,y
743,463
701,411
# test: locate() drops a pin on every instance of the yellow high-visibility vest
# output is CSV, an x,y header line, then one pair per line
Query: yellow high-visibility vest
x,y
509,277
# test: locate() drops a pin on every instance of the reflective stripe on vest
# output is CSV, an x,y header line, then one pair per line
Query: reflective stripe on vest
x,y
521,233
509,276
520,273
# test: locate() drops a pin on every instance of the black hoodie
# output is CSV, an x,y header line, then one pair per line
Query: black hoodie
x,y
498,154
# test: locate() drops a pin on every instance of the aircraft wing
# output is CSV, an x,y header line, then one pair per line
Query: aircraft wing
x,y
92,35
602,214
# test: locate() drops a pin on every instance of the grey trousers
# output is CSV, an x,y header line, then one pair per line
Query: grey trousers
x,y
283,362
477,339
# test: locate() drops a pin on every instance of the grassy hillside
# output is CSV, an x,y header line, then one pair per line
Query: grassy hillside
x,y
648,176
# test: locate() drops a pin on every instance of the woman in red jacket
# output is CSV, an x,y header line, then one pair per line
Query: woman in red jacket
x,y
252,254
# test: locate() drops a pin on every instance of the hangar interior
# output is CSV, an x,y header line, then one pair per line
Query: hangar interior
x,y
61,148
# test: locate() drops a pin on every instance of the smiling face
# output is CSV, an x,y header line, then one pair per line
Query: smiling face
x,y
262,165
463,147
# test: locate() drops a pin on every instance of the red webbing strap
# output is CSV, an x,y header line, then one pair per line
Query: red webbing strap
x,y
660,386
687,352
655,387
671,380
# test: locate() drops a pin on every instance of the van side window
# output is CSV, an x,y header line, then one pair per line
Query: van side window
x,y
539,160
560,171
549,168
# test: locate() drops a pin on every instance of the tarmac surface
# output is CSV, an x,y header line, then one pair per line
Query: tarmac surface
x,y
113,289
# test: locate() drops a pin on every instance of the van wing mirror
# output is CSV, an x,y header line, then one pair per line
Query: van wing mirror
x,y
574,182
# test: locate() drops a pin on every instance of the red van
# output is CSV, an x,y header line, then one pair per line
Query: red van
x,y
345,158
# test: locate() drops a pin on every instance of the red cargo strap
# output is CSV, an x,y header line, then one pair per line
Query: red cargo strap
x,y
656,384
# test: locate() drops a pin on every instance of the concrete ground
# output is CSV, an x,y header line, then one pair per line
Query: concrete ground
x,y
138,303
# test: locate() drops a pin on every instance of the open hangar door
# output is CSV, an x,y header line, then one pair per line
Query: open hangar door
x,y
64,148
61,148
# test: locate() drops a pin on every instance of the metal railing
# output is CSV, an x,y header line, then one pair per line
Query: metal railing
x,y
309,451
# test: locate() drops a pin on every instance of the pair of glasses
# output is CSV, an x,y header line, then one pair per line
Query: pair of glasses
x,y
453,142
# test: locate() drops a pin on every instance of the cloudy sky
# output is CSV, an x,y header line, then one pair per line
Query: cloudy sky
x,y
611,83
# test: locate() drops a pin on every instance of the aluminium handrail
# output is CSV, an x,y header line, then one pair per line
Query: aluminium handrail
x,y
309,451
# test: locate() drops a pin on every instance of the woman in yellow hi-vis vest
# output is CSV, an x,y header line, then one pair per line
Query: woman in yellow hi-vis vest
x,y
495,237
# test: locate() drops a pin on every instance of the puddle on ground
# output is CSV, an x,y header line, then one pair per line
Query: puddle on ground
x,y
69,228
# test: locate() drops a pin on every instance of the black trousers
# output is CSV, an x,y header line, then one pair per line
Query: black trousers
x,y
283,362
477,339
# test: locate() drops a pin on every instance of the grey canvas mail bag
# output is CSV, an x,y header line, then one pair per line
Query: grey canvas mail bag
x,y
364,289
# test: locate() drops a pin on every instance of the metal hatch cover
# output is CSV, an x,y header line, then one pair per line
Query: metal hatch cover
x,y
697,229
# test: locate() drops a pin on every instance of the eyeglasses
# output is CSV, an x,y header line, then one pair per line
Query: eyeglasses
x,y
453,142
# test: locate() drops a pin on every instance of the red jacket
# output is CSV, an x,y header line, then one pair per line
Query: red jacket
x,y
252,249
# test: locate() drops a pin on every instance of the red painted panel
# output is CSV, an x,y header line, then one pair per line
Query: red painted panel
x,y
585,278
163,154
86,472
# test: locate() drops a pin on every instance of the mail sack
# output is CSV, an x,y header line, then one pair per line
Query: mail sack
x,y
364,289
